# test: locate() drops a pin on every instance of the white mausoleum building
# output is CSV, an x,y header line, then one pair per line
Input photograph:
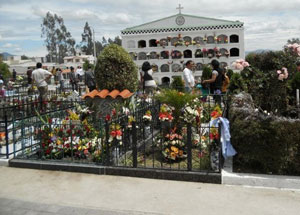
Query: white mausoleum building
x,y
170,42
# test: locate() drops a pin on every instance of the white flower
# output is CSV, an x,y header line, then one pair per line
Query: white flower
x,y
125,110
256,110
265,112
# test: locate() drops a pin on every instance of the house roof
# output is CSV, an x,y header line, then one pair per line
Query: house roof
x,y
104,93
192,23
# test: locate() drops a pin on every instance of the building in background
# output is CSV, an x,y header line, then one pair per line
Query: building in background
x,y
170,42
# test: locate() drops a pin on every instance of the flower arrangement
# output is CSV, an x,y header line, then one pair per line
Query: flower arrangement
x,y
147,117
169,38
194,42
173,146
187,43
240,64
115,133
192,111
282,74
217,112
204,50
218,54
205,38
165,113
227,53
216,49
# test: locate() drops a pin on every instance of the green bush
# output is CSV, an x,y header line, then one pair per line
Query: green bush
x,y
175,99
178,84
115,69
4,71
206,74
86,65
265,143
236,84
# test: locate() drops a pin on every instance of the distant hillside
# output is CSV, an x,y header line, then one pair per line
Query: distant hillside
x,y
258,51
5,55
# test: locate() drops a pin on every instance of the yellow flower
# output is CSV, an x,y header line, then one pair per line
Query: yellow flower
x,y
180,153
58,142
173,155
174,149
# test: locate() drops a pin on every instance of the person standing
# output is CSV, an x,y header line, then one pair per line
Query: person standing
x,y
189,80
90,79
60,79
73,79
29,76
216,81
14,74
40,77
148,83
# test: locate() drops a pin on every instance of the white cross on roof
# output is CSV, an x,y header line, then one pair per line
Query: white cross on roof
x,y
179,8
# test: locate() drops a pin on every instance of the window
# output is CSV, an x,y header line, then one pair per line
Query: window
x,y
198,53
132,55
153,55
152,43
187,54
176,54
187,39
164,54
142,56
176,68
174,40
234,52
199,40
210,53
142,44
199,66
210,40
234,38
165,68
154,68
165,80
163,42
222,39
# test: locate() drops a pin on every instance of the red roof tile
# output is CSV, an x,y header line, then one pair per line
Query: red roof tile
x,y
104,93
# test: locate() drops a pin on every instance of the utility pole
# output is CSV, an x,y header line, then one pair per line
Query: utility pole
x,y
95,57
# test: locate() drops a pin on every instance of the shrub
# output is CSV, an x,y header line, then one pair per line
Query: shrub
x,y
4,70
265,143
178,84
206,74
115,69
175,99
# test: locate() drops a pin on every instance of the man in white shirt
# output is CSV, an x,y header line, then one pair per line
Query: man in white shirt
x,y
40,78
188,76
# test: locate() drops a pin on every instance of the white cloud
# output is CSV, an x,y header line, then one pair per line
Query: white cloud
x,y
9,45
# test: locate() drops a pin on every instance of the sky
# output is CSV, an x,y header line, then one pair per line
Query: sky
x,y
268,23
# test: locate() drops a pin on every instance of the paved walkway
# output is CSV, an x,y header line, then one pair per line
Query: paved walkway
x,y
27,191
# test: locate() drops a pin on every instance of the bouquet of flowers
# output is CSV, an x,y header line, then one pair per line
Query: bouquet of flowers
x,y
240,64
282,74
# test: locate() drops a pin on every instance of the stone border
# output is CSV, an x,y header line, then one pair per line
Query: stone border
x,y
258,180
203,177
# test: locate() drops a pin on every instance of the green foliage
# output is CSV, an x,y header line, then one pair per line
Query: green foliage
x,y
237,84
115,69
4,71
206,74
86,44
229,73
178,84
175,99
295,82
265,144
86,65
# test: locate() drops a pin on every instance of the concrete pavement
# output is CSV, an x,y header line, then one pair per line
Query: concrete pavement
x,y
27,191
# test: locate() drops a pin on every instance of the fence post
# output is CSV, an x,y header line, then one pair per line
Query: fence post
x,y
134,145
6,136
107,161
189,146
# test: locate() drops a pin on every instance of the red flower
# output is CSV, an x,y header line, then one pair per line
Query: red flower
x,y
86,152
48,151
67,118
113,133
119,133
107,118
113,112
43,145
50,121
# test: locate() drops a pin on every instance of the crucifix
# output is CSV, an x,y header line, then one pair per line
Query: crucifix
x,y
179,8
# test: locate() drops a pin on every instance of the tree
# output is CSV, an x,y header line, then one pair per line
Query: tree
x,y
58,39
86,44
118,41
4,71
115,69
293,40
24,57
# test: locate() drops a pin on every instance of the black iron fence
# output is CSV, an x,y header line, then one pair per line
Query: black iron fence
x,y
139,139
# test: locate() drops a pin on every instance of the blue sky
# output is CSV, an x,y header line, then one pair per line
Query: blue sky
x,y
268,23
